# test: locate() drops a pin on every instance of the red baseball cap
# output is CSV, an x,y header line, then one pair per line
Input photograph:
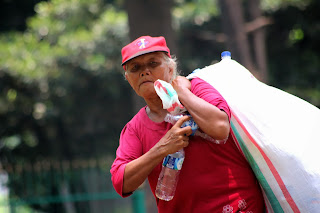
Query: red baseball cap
x,y
144,45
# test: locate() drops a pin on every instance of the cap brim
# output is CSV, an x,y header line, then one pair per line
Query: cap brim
x,y
142,53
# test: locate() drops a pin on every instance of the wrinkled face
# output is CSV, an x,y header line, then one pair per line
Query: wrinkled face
x,y
143,71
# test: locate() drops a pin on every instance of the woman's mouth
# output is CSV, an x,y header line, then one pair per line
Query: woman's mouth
x,y
145,82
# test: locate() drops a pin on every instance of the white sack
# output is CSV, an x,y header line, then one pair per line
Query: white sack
x,y
278,133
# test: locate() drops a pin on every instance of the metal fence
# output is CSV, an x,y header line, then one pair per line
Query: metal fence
x,y
78,186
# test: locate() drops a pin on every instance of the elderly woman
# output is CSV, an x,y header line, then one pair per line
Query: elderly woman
x,y
214,177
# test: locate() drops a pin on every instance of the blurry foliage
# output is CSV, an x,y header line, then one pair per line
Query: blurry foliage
x,y
293,51
25,57
274,5
197,23
194,12
292,41
62,94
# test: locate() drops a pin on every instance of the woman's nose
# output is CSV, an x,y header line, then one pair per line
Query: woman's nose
x,y
145,72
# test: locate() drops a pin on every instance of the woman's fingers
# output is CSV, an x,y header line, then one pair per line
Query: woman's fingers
x,y
186,131
177,137
181,121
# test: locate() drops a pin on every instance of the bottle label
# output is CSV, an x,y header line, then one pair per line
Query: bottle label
x,y
192,124
173,163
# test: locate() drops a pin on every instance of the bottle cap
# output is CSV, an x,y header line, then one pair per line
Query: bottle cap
x,y
225,54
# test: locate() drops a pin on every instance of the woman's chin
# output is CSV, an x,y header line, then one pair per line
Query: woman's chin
x,y
149,94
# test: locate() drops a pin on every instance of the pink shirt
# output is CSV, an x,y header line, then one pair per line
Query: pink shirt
x,y
213,178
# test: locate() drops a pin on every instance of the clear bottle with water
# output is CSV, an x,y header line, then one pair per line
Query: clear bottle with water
x,y
169,175
194,127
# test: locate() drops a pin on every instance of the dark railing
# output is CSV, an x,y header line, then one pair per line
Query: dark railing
x,y
79,186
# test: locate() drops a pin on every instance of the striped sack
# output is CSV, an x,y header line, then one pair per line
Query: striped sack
x,y
278,133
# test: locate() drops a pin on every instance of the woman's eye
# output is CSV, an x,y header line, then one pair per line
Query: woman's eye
x,y
153,64
134,68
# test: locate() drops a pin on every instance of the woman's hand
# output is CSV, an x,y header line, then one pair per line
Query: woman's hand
x,y
138,170
180,84
176,138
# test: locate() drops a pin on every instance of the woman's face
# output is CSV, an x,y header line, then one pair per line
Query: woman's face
x,y
143,71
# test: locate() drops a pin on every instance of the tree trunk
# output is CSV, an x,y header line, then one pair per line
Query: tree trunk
x,y
147,17
234,27
258,41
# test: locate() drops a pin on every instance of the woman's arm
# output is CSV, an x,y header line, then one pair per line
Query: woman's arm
x,y
210,119
138,170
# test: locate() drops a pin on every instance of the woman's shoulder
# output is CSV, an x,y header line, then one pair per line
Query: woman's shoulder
x,y
141,122
137,118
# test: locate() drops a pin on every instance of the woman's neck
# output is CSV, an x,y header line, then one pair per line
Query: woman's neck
x,y
155,110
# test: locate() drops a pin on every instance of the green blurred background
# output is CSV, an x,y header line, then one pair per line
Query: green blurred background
x,y
64,100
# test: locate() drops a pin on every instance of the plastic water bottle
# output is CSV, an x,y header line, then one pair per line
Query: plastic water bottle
x,y
194,127
169,175
225,55
174,118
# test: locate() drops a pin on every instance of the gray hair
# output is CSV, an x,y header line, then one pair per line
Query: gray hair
x,y
172,62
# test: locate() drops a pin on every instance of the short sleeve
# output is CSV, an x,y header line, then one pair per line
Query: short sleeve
x,y
129,149
208,93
